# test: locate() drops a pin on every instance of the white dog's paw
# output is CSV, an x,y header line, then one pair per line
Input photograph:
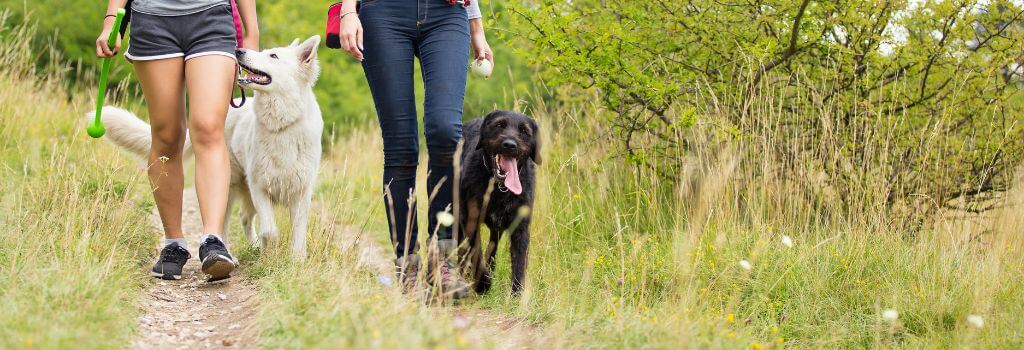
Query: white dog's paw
x,y
253,238
267,239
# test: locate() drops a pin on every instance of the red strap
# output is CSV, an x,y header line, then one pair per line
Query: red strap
x,y
238,22
238,39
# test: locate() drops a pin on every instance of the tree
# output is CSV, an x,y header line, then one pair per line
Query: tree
x,y
912,94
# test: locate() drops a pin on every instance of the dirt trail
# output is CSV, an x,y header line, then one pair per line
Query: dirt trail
x,y
190,313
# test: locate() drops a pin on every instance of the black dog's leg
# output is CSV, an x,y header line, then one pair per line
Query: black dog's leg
x,y
520,252
470,247
485,273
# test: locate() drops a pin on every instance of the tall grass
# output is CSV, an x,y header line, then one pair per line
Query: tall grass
x,y
621,258
72,234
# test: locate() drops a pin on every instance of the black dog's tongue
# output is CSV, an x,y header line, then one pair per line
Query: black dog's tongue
x,y
511,168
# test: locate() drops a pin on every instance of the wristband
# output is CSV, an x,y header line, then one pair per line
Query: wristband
x,y
345,14
105,17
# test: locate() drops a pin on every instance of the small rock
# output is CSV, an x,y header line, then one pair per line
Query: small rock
x,y
222,296
227,342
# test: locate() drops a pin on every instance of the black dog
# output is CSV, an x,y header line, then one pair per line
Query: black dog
x,y
496,189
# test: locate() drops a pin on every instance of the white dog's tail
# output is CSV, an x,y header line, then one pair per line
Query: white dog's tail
x,y
131,133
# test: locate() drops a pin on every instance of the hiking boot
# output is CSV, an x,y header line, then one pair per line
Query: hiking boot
x,y
406,270
443,273
215,258
172,259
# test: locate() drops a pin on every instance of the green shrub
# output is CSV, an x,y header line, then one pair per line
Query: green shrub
x,y
910,103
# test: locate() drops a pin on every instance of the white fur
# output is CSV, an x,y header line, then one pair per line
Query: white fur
x,y
273,141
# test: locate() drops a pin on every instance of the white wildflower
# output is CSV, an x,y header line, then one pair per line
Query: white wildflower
x,y
746,265
446,219
786,241
890,315
975,321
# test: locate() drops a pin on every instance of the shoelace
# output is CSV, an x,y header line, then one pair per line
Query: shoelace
x,y
214,243
176,252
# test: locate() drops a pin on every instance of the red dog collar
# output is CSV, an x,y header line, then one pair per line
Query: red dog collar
x,y
464,3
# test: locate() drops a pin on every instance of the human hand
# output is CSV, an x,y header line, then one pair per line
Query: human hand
x,y
103,49
481,49
352,35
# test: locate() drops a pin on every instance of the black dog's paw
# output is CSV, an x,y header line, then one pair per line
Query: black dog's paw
x,y
483,285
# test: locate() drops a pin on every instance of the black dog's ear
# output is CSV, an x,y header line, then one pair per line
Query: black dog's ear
x,y
483,126
535,152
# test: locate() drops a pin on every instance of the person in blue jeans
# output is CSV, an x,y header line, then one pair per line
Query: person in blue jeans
x,y
386,36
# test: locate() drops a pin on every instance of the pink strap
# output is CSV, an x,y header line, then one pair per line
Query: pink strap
x,y
238,39
238,22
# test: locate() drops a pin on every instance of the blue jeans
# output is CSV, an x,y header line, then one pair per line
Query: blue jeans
x,y
396,31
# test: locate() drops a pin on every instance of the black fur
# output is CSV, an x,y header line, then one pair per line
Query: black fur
x,y
479,193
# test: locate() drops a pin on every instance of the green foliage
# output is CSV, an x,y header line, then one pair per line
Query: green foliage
x,y
923,95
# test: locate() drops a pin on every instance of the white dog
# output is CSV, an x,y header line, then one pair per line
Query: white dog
x,y
273,140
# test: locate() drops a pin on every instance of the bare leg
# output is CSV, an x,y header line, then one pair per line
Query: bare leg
x,y
209,80
162,84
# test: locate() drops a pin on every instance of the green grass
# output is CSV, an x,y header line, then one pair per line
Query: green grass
x,y
619,258
73,234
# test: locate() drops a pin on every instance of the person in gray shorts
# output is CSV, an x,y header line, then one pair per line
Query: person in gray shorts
x,y
180,45
210,31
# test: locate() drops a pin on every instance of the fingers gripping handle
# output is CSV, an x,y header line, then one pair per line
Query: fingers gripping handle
x,y
96,128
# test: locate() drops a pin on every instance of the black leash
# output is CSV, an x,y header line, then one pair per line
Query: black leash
x,y
240,91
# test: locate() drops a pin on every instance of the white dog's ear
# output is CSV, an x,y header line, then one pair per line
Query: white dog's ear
x,y
307,50
294,42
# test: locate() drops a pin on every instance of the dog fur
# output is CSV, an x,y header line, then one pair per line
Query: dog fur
x,y
484,200
273,140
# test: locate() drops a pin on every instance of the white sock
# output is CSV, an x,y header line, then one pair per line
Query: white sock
x,y
181,242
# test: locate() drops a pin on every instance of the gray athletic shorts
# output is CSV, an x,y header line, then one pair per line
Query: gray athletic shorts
x,y
209,32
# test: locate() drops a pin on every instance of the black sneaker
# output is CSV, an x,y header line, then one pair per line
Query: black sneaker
x,y
172,259
217,261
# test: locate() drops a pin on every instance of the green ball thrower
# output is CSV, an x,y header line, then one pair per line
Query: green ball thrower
x,y
96,129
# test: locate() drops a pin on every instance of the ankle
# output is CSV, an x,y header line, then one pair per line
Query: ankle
x,y
180,241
